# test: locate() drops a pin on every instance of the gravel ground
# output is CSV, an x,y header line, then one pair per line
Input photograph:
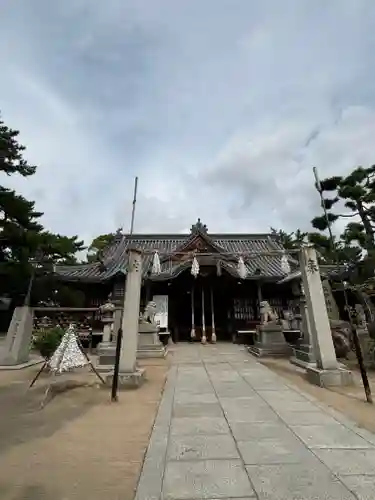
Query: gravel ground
x,y
80,445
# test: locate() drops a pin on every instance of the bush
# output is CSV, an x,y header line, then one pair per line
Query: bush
x,y
47,340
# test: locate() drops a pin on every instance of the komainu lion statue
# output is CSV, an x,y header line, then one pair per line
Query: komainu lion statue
x,y
267,314
150,312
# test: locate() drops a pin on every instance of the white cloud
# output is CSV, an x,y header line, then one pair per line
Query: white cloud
x,y
220,108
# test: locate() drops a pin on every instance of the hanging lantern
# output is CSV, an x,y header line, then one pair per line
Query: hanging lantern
x,y
156,267
285,267
195,267
241,268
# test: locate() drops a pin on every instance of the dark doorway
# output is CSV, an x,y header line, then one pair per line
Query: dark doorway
x,y
207,288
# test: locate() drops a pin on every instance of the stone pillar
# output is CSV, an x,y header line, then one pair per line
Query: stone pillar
x,y
129,374
204,338
213,334
117,317
192,333
327,371
17,345
130,319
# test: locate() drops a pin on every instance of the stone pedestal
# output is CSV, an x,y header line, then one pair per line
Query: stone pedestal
x,y
326,371
270,341
149,345
16,349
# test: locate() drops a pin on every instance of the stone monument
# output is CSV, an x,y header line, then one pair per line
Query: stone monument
x,y
16,350
327,371
149,345
269,340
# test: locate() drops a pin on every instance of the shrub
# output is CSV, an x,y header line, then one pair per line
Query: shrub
x,y
47,340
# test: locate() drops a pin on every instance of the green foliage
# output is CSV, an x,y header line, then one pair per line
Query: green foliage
x,y
357,192
321,222
47,340
11,159
98,245
289,241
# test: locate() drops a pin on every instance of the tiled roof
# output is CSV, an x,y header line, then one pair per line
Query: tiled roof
x,y
326,271
226,249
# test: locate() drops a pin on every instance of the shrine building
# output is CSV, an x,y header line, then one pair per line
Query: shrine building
x,y
204,280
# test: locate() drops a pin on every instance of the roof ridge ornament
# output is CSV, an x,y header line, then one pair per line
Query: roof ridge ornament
x,y
199,227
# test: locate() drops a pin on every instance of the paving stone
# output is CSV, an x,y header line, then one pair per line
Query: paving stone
x,y
244,431
345,462
287,395
306,418
362,486
250,414
197,410
280,450
233,390
199,425
206,479
243,402
194,389
202,447
297,482
188,398
329,436
287,405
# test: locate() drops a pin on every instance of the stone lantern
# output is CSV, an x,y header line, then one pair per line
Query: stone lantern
x,y
107,312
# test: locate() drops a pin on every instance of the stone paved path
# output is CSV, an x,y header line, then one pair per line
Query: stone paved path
x,y
229,428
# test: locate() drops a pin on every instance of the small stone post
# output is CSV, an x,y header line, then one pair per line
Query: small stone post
x,y
16,350
107,311
327,371
129,374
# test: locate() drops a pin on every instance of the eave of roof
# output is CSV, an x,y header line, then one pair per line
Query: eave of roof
x,y
114,258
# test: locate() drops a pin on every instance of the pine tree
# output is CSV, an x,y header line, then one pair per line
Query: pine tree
x,y
357,190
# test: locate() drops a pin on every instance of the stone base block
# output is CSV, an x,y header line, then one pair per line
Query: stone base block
x,y
273,350
128,380
302,356
270,341
151,352
32,362
329,378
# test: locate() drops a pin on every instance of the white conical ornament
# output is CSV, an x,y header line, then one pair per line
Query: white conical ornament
x,y
68,355
285,267
156,267
241,268
195,267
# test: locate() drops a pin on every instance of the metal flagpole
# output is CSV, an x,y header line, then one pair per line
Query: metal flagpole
x,y
353,329
116,367
134,203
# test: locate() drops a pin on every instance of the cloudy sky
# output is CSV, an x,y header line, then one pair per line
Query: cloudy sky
x,y
221,107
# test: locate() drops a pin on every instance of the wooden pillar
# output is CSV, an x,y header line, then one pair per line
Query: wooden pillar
x,y
260,297
213,334
192,333
148,290
204,338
